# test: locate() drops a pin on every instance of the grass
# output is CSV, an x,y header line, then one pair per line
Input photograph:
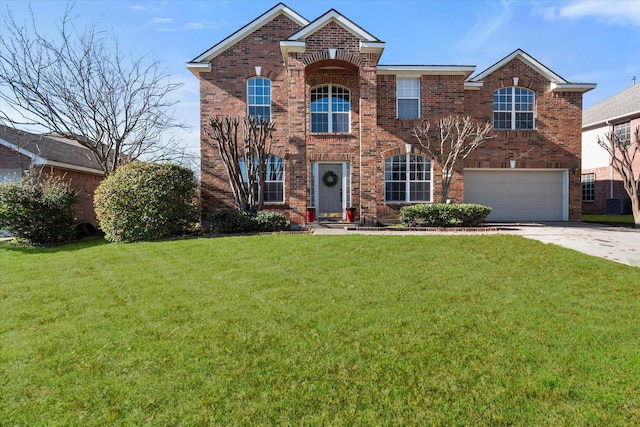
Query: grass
x,y
608,219
320,330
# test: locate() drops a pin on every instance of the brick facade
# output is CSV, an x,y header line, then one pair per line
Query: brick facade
x,y
375,132
83,182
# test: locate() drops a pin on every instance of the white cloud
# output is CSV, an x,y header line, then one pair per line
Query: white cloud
x,y
487,24
621,12
161,20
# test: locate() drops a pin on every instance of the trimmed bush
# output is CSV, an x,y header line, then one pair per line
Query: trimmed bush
x,y
271,221
228,221
37,209
444,215
146,201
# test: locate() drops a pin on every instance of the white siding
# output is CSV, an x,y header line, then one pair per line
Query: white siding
x,y
593,155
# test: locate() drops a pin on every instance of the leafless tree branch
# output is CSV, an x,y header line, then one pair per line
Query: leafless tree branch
x,y
622,157
453,139
83,87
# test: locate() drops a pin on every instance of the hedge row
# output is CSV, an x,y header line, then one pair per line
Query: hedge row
x,y
228,221
444,215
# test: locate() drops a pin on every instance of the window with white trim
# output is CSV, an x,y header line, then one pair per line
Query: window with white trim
x,y
513,108
407,178
330,109
259,98
623,131
588,187
408,98
274,182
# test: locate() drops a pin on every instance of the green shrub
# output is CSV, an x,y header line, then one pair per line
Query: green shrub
x,y
444,215
271,221
146,201
228,221
37,209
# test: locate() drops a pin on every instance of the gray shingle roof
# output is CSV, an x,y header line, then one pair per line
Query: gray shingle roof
x,y
621,105
52,149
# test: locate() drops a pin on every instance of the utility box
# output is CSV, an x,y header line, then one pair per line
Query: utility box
x,y
618,206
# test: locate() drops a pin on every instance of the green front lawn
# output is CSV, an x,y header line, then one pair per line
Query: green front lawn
x,y
321,330
608,219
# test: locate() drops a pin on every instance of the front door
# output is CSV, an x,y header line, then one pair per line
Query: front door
x,y
330,190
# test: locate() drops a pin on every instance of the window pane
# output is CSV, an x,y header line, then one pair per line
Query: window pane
x,y
259,98
319,122
407,108
502,120
588,187
410,171
408,98
330,109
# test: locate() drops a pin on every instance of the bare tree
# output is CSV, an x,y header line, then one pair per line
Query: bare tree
x,y
82,87
253,149
622,156
453,139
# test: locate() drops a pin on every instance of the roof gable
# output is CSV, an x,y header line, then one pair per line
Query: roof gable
x,y
200,62
334,16
527,59
296,42
558,83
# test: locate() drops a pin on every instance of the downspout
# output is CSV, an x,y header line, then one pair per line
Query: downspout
x,y
610,166
362,219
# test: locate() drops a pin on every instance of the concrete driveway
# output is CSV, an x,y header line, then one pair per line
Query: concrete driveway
x,y
619,244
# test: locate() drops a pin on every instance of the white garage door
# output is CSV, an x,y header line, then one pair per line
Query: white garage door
x,y
519,195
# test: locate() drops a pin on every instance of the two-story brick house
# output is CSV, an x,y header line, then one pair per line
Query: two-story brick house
x,y
343,123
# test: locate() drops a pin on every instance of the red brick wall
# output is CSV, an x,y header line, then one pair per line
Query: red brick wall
x,y
223,92
556,140
84,183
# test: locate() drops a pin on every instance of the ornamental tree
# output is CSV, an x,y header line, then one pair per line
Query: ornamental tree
x,y
453,139
252,146
622,155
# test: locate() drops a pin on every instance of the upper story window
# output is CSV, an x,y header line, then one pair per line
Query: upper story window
x,y
623,131
330,109
408,98
407,178
274,178
513,108
259,98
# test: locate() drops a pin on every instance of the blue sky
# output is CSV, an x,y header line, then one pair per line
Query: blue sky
x,y
584,41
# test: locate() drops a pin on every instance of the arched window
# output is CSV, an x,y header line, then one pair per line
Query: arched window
x,y
274,182
259,97
330,109
513,108
407,178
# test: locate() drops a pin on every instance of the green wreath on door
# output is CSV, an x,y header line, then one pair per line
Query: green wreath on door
x,y
330,179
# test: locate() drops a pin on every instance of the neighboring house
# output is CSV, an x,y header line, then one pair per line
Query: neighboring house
x,y
20,150
343,124
602,189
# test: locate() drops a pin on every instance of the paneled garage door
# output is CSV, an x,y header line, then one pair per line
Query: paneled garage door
x,y
519,195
